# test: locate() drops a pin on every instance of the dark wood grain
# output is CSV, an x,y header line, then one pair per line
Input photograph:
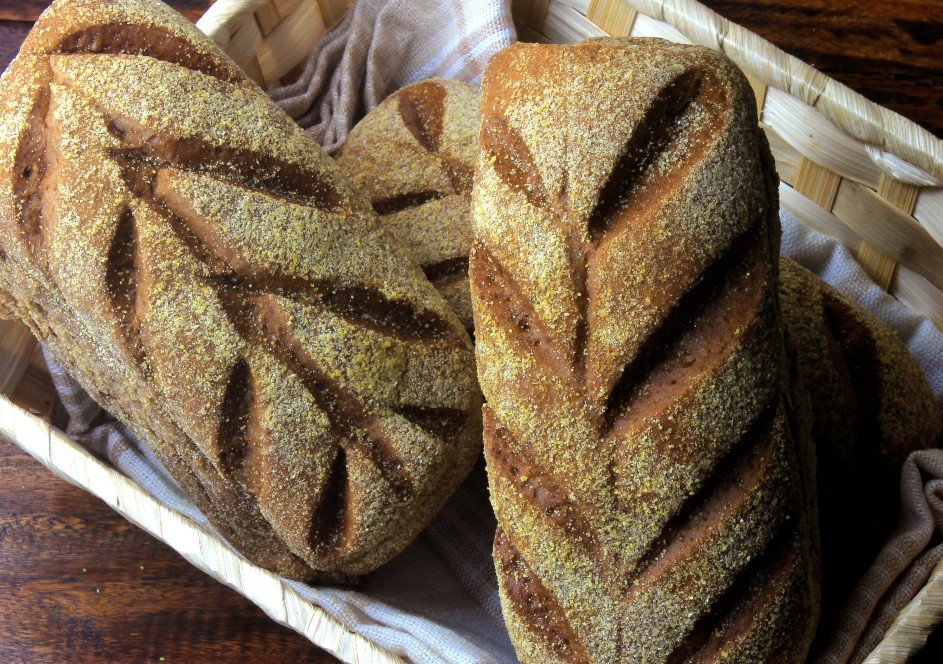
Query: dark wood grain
x,y
891,51
29,10
12,34
79,583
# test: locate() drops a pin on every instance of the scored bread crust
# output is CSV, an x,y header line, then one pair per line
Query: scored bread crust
x,y
647,465
413,158
203,269
871,407
860,440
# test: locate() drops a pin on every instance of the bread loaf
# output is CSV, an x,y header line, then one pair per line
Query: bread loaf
x,y
861,441
643,455
203,269
871,407
413,157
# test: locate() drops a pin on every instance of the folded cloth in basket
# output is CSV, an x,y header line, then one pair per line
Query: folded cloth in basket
x,y
382,45
438,600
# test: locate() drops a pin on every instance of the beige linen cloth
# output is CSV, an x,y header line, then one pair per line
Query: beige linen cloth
x,y
380,46
437,602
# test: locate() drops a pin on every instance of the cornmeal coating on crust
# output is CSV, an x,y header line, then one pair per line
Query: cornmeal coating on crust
x,y
413,157
871,403
649,465
205,271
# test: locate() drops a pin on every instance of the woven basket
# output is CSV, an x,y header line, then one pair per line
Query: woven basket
x,y
849,168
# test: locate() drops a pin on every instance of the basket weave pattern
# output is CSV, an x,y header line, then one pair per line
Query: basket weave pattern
x,y
849,168
269,38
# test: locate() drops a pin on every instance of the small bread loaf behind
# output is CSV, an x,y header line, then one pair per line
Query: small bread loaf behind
x,y
871,407
412,157
646,467
203,269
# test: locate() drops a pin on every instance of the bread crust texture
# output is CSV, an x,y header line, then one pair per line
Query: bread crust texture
x,y
648,466
870,404
413,158
208,275
871,407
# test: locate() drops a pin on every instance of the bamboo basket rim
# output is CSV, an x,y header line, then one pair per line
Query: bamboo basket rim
x,y
199,546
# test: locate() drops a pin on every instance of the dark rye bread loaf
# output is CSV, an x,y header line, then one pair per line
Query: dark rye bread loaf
x,y
204,270
871,407
643,454
413,158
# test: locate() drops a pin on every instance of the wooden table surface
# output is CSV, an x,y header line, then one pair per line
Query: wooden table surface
x,y
78,583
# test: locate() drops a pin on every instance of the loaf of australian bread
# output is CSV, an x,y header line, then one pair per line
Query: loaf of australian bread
x,y
204,270
647,468
413,158
871,407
